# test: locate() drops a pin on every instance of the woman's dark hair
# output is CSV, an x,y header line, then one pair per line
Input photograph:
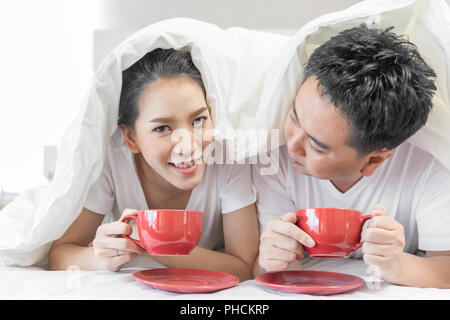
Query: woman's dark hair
x,y
155,65
378,81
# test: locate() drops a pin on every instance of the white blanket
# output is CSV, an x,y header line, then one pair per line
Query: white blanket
x,y
36,283
250,78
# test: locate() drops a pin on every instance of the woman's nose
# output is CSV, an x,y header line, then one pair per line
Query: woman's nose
x,y
186,142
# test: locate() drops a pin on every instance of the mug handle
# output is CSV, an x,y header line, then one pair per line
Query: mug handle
x,y
125,220
363,219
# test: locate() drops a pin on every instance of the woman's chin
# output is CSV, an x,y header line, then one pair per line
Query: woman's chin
x,y
187,181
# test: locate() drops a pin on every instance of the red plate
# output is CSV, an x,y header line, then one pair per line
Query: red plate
x,y
186,280
310,282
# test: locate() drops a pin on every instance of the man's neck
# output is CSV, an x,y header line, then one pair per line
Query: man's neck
x,y
345,184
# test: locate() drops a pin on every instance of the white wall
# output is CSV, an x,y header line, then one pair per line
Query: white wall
x,y
117,18
45,63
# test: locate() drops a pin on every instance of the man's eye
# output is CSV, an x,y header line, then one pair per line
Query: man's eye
x,y
199,121
315,149
161,129
293,118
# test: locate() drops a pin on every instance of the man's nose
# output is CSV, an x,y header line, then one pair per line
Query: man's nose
x,y
296,143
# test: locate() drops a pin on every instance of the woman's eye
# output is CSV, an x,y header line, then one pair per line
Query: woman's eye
x,y
199,121
161,129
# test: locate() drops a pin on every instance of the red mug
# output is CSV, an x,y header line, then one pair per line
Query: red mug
x,y
167,232
336,232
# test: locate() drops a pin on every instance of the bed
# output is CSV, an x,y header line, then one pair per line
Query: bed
x,y
32,283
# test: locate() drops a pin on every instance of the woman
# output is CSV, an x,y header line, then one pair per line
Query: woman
x,y
162,100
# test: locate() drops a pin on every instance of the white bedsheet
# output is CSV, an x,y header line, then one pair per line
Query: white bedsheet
x,y
37,283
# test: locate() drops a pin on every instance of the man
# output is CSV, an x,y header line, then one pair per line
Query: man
x,y
364,93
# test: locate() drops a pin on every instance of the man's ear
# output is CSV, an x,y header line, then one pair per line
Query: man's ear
x,y
374,160
130,138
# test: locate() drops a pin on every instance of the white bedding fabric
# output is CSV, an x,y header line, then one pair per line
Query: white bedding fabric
x,y
36,283
250,78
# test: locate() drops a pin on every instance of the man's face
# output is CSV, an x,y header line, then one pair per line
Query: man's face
x,y
317,135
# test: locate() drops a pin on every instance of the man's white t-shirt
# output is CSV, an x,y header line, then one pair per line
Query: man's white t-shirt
x,y
412,185
223,189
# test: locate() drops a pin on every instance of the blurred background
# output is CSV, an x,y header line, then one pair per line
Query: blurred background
x,y
51,48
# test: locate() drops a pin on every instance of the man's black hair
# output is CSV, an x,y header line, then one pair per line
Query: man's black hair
x,y
378,81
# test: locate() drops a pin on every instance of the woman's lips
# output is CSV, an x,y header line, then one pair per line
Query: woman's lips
x,y
189,170
185,167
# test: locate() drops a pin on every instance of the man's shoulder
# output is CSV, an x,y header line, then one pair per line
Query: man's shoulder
x,y
412,157
408,164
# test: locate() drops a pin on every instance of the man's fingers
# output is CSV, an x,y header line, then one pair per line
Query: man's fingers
x,y
371,259
382,222
378,210
376,235
285,243
291,230
274,265
376,249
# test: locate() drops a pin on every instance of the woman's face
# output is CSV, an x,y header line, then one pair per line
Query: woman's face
x,y
173,129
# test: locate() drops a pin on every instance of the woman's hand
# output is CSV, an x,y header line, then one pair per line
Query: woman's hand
x,y
112,248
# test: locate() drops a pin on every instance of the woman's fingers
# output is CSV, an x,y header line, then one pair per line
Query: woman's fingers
x,y
116,263
123,244
114,228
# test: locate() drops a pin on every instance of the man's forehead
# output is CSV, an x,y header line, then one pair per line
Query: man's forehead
x,y
319,117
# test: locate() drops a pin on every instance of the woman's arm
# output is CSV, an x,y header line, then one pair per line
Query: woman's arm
x,y
73,247
76,246
241,233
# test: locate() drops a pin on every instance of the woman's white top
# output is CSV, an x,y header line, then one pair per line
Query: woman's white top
x,y
223,189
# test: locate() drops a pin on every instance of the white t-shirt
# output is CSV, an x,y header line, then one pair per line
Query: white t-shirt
x,y
412,185
223,189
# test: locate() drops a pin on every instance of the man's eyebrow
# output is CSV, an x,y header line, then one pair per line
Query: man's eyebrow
x,y
320,144
294,111
317,142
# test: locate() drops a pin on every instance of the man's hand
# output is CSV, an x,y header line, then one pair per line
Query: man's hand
x,y
384,240
281,243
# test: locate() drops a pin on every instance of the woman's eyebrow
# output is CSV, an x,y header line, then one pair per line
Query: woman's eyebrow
x,y
165,120
199,111
171,120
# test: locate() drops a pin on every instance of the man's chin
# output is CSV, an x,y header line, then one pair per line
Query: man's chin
x,y
300,169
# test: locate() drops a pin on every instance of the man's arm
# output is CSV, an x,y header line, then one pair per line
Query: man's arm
x,y
423,272
384,241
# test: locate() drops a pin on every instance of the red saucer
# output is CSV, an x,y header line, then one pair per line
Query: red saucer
x,y
186,280
310,282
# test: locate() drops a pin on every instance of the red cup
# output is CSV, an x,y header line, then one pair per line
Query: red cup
x,y
336,232
167,232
